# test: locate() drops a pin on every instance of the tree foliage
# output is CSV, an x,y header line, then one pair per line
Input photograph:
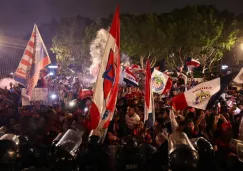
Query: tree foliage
x,y
67,43
200,32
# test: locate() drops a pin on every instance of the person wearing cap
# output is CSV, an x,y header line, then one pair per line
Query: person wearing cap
x,y
132,120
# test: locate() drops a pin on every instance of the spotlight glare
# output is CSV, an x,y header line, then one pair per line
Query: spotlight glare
x,y
72,103
53,96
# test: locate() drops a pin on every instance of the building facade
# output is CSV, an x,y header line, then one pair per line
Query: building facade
x,y
11,51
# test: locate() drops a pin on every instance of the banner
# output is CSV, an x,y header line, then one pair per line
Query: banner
x,y
38,94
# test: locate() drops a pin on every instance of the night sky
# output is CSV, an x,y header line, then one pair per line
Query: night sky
x,y
18,16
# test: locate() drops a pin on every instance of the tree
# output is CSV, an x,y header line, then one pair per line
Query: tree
x,y
200,32
67,43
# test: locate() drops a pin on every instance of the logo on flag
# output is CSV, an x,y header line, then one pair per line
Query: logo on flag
x,y
202,96
158,83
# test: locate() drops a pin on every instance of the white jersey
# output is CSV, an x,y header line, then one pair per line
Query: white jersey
x,y
132,121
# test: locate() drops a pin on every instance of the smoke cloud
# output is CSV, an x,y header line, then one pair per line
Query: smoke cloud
x,y
97,48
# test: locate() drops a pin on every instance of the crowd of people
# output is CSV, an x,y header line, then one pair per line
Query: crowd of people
x,y
42,122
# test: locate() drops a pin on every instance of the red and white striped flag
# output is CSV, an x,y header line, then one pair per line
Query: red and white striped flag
x,y
106,87
135,68
35,58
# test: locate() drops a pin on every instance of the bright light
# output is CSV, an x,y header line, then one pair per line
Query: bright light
x,y
72,103
53,96
224,66
52,66
11,73
51,73
85,109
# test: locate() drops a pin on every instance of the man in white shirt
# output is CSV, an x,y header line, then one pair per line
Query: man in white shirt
x,y
132,119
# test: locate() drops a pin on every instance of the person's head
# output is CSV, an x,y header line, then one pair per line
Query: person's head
x,y
13,121
131,110
214,111
201,113
203,124
160,139
240,106
190,125
181,126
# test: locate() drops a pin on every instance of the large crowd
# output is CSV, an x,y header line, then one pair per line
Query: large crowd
x,y
42,122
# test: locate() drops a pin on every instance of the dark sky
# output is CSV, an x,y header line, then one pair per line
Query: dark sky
x,y
18,16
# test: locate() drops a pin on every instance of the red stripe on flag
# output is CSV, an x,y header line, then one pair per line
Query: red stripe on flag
x,y
179,102
28,53
116,25
31,44
193,63
168,86
25,62
46,61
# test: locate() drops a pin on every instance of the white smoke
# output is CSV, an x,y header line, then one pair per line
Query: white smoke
x,y
125,60
5,83
97,48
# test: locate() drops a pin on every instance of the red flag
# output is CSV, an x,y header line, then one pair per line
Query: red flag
x,y
106,87
147,84
149,116
157,68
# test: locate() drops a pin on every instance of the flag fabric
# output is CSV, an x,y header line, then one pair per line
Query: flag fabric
x,y
149,115
192,63
161,83
106,87
135,68
204,95
34,59
131,74
130,78
239,78
157,68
